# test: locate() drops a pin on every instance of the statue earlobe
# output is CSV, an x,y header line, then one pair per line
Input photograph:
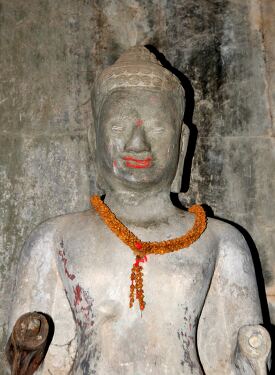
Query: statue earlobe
x,y
91,140
176,184
92,147
99,182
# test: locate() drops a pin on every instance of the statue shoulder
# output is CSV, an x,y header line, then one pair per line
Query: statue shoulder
x,y
45,235
72,225
41,238
76,223
234,263
228,236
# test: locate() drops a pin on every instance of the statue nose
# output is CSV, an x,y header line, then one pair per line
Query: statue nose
x,y
137,141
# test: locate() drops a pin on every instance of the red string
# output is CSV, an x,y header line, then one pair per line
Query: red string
x,y
141,260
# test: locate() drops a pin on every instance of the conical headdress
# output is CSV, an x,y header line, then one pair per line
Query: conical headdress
x,y
137,67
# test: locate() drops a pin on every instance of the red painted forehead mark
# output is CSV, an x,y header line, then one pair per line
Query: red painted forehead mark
x,y
139,122
153,99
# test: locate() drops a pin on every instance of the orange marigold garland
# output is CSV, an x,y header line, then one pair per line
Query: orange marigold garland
x,y
142,248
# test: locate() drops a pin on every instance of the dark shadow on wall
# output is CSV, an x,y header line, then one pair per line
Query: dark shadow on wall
x,y
187,117
51,329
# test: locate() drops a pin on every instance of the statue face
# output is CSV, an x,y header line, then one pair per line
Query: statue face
x,y
137,139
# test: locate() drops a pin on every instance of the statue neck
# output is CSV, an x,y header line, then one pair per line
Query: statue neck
x,y
140,208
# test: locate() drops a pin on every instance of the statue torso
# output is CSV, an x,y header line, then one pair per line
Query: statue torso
x,y
95,267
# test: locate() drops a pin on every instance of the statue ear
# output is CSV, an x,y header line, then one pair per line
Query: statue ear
x,y
91,140
94,170
176,184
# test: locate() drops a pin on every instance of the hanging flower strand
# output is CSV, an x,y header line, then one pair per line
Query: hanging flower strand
x,y
142,248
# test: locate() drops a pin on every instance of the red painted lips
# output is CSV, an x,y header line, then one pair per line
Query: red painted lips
x,y
132,162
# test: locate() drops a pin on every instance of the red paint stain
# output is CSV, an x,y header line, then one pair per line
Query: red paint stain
x,y
86,312
139,122
138,166
131,158
115,163
77,295
132,162
71,276
79,323
83,307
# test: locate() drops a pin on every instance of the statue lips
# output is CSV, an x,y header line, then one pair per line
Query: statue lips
x,y
132,162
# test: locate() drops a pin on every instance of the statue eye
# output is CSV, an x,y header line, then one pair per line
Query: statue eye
x,y
157,130
117,128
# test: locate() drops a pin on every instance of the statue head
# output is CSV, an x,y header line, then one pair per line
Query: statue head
x,y
140,140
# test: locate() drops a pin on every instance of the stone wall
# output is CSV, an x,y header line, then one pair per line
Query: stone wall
x,y
268,27
50,53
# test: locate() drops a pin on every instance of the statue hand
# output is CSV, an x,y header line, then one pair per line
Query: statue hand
x,y
253,350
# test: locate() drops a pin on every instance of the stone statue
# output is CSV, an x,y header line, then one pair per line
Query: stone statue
x,y
202,311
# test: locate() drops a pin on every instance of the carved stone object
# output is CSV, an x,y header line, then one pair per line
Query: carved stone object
x,y
253,350
28,344
201,312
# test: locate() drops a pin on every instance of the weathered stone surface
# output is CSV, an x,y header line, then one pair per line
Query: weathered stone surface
x,y
50,54
268,12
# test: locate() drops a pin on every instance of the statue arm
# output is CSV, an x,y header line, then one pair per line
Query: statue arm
x,y
230,338
39,288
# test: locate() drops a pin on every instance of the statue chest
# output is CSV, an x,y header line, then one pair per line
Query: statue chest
x,y
98,270
96,276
